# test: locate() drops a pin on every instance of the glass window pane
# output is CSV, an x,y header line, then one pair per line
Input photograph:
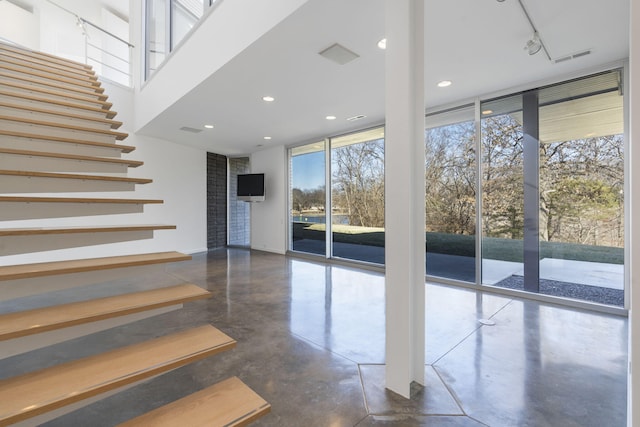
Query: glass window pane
x,y
157,20
308,199
450,203
184,15
357,196
582,189
502,191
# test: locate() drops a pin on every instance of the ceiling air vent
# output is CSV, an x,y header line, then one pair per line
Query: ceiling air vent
x,y
354,118
192,130
572,56
338,54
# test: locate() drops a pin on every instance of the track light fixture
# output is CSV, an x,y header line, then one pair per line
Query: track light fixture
x,y
533,45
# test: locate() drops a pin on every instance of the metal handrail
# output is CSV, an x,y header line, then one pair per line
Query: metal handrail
x,y
85,21
82,22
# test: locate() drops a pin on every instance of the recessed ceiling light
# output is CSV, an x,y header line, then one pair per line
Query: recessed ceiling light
x,y
444,83
487,112
209,126
268,98
267,137
330,117
382,44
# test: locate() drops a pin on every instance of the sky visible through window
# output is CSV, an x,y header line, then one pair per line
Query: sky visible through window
x,y
308,171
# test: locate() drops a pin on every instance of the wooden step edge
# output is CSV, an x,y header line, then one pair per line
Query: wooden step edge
x,y
109,113
113,123
83,177
83,200
118,135
39,231
39,392
54,84
80,83
30,322
229,403
103,104
47,66
26,51
27,271
50,72
123,148
46,62
129,163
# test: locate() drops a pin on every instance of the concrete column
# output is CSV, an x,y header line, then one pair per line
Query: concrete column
x,y
404,195
633,243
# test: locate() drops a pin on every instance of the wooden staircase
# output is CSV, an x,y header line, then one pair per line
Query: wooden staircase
x,y
58,135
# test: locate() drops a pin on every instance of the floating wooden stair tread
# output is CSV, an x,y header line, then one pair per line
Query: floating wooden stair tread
x,y
119,135
123,148
80,83
103,104
47,66
47,56
97,92
23,323
36,231
38,392
26,271
229,403
113,123
55,175
32,97
129,163
28,199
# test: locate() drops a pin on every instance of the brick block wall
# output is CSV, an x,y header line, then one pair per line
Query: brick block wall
x,y
216,201
239,212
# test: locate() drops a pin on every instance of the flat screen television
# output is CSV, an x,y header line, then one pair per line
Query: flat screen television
x,y
251,187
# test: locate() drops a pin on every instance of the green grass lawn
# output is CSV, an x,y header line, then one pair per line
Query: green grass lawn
x,y
456,244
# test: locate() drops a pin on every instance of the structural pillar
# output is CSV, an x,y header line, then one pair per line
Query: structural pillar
x,y
633,235
404,195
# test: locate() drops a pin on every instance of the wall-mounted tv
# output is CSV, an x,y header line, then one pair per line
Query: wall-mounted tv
x,y
251,187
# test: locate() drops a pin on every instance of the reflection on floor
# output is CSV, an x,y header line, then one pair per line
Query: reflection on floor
x,y
597,282
311,342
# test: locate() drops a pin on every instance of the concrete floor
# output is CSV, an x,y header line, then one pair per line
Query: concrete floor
x,y
311,342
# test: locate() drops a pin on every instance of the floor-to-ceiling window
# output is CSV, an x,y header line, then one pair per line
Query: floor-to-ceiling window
x,y
450,202
553,181
524,191
308,198
351,220
502,225
357,196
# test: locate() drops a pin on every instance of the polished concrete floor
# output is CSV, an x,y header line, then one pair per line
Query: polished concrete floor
x,y
311,342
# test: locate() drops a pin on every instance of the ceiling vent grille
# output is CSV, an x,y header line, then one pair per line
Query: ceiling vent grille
x,y
338,54
192,130
572,56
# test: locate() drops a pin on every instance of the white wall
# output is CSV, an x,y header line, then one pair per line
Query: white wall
x,y
231,27
269,218
179,178
633,389
19,26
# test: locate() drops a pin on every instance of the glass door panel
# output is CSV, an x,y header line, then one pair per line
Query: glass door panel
x,y
357,196
450,201
308,199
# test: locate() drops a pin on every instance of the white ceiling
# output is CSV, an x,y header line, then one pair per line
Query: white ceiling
x,y
477,44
